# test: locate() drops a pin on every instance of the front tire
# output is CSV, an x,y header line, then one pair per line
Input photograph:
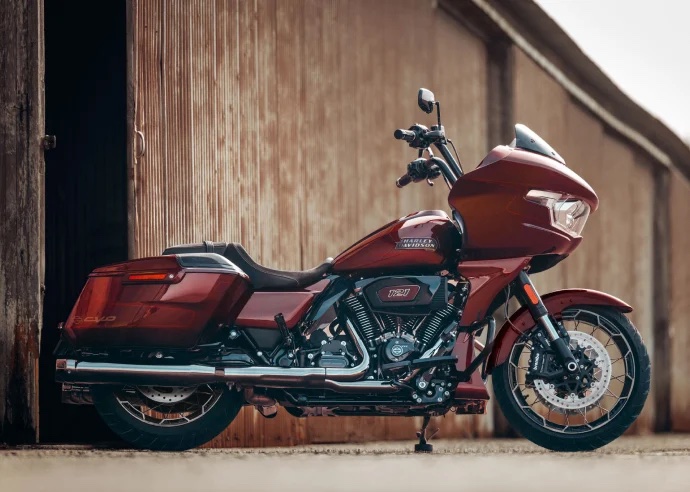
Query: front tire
x,y
164,418
578,419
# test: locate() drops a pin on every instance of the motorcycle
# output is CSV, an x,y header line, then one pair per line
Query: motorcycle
x,y
170,348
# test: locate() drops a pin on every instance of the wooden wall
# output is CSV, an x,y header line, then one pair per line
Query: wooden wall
x,y
680,303
616,255
21,216
270,123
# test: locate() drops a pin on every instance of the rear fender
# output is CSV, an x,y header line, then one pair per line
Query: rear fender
x,y
555,302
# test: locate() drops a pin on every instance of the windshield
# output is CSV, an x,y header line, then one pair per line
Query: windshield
x,y
528,140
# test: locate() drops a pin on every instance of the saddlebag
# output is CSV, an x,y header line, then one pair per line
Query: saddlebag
x,y
173,301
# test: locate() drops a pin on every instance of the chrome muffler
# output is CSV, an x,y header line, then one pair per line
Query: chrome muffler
x,y
344,380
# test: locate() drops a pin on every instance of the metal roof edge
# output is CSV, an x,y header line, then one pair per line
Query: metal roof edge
x,y
584,80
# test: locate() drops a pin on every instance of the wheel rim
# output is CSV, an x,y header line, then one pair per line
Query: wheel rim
x,y
556,407
168,406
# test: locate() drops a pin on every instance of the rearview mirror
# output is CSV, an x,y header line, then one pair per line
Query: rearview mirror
x,y
425,99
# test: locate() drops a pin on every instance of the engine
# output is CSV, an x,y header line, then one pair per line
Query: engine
x,y
402,317
398,318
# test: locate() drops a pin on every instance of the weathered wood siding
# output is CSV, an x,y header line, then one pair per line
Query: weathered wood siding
x,y
270,123
21,216
680,304
616,255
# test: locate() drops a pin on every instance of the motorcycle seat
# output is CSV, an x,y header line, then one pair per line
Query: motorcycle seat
x,y
260,276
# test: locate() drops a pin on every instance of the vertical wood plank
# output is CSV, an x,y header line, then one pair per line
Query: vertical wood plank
x,y
662,289
679,331
21,216
269,123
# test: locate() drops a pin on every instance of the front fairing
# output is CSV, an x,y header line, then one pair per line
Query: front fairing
x,y
527,170
499,221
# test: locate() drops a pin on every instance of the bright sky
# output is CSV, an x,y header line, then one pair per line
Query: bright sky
x,y
642,45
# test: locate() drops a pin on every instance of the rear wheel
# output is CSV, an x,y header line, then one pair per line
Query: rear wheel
x,y
586,409
167,418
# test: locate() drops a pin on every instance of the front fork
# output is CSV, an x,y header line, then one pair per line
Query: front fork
x,y
528,296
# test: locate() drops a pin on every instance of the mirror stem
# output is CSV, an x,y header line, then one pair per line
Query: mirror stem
x,y
438,113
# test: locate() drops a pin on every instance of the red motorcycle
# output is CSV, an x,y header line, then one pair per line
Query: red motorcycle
x,y
170,348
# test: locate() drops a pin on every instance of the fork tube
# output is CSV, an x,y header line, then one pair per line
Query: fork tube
x,y
530,298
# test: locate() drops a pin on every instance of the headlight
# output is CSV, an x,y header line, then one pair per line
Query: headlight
x,y
567,214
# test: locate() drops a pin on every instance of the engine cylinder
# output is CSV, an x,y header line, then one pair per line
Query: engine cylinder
x,y
364,319
435,324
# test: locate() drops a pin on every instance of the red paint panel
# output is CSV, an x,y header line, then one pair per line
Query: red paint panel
x,y
115,312
391,246
555,302
499,222
263,306
487,279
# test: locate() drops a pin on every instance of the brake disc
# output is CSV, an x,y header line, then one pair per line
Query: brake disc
x,y
167,394
596,352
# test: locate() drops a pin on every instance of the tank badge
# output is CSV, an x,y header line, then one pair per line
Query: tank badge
x,y
417,243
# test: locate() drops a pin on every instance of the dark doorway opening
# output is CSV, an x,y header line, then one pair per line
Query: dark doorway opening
x,y
85,181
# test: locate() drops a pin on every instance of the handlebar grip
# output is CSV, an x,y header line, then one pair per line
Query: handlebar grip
x,y
403,180
405,135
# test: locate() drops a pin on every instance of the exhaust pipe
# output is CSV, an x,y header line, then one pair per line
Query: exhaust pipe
x,y
344,380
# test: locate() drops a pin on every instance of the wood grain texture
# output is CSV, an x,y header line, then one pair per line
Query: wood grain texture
x,y
679,333
270,123
616,255
21,216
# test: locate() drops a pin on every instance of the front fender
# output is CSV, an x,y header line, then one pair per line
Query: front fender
x,y
555,302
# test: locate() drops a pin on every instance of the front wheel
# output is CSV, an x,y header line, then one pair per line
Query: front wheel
x,y
584,410
167,418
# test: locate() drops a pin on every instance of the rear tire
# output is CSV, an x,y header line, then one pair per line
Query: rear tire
x,y
524,419
114,404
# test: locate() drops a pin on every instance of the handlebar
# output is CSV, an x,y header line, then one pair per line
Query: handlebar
x,y
403,180
405,135
422,138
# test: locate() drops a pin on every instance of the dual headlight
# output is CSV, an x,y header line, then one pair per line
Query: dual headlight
x,y
567,214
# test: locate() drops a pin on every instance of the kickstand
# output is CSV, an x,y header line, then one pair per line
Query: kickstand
x,y
423,446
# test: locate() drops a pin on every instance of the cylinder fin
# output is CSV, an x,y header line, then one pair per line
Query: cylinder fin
x,y
363,317
434,324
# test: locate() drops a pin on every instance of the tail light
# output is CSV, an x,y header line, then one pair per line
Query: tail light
x,y
155,277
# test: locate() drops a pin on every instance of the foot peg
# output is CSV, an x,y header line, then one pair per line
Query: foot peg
x,y
288,341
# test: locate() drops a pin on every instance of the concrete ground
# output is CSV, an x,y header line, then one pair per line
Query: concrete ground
x,y
657,463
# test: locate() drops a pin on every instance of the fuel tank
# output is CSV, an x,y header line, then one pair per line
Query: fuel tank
x,y
425,240
499,221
